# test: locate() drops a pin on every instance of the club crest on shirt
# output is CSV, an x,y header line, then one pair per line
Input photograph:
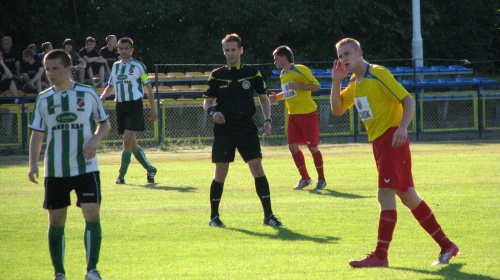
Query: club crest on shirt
x,y
360,105
245,84
364,109
80,102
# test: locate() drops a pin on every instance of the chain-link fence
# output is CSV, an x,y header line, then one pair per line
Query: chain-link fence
x,y
453,111
491,110
10,123
185,119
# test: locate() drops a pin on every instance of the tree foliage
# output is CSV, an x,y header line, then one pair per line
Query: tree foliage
x,y
190,31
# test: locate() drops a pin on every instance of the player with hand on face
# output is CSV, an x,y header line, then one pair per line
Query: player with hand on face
x,y
386,109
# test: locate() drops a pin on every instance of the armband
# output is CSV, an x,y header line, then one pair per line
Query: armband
x,y
211,111
268,120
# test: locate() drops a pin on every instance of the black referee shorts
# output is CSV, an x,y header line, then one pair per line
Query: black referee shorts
x,y
224,147
130,116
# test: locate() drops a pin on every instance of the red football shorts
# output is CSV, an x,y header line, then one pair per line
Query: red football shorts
x,y
303,129
393,164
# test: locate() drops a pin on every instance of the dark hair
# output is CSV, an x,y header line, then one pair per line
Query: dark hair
x,y
69,42
126,40
28,52
46,45
32,47
89,40
232,38
284,51
59,54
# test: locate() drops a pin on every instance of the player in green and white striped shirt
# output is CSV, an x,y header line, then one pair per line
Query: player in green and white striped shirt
x,y
64,111
129,78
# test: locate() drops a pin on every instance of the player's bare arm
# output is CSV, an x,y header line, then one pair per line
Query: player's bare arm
x,y
91,148
34,152
339,72
275,97
399,137
107,91
153,115
295,85
266,110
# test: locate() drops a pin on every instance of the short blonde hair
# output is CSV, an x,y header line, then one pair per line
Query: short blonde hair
x,y
348,41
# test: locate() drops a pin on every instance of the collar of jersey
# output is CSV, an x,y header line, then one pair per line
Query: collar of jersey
x,y
237,67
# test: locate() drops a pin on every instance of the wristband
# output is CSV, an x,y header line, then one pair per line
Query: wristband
x,y
268,120
211,111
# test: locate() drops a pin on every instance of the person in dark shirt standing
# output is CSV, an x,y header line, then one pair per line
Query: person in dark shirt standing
x,y
110,53
233,87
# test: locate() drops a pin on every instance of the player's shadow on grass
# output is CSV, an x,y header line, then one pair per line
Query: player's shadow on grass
x,y
339,194
288,235
154,186
450,271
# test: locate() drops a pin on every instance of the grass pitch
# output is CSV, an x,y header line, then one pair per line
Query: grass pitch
x,y
160,231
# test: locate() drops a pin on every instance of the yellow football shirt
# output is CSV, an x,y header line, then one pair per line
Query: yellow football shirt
x,y
298,101
377,98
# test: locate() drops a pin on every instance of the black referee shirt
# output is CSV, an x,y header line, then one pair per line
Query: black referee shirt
x,y
233,88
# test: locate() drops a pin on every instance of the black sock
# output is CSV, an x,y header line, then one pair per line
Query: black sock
x,y
262,188
215,197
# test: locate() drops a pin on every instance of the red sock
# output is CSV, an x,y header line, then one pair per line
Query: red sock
x,y
298,158
428,221
386,225
318,162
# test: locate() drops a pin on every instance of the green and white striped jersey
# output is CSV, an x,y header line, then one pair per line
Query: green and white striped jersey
x,y
129,80
65,116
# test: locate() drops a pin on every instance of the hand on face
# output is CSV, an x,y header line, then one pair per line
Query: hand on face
x,y
339,72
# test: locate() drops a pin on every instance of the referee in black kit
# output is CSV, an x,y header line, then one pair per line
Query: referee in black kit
x,y
233,85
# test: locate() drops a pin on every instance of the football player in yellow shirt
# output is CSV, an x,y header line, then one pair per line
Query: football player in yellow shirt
x,y
386,109
297,83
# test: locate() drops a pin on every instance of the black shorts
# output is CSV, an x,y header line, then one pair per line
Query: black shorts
x,y
224,147
95,67
28,89
130,116
57,190
5,84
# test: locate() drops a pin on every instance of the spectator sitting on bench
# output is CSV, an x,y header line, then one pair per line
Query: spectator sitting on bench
x,y
46,47
95,62
32,72
33,48
79,64
6,82
11,58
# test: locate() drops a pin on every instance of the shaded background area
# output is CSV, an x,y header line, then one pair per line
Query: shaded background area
x,y
190,31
